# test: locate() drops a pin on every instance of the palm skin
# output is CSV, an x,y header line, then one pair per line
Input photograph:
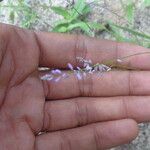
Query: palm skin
x,y
76,116
22,96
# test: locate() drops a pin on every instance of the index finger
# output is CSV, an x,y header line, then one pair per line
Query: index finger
x,y
59,49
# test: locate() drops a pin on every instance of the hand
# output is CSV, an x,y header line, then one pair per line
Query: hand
x,y
96,113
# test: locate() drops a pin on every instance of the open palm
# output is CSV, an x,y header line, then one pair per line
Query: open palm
x,y
98,112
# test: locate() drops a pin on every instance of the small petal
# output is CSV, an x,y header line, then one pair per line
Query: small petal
x,y
49,79
78,75
53,71
96,68
88,68
65,75
109,69
45,77
70,66
57,79
100,68
57,71
79,68
106,68
85,64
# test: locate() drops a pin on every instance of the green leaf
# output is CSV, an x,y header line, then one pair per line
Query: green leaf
x,y
86,10
136,33
146,3
62,22
129,10
117,34
81,25
12,16
77,10
61,11
60,28
96,26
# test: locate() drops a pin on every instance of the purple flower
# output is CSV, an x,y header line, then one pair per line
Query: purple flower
x,y
64,75
78,75
88,68
79,68
57,71
47,77
70,66
57,79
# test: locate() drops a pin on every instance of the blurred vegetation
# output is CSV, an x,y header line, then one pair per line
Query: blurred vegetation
x,y
75,17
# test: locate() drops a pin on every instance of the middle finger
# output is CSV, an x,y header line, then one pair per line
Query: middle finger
x,y
113,83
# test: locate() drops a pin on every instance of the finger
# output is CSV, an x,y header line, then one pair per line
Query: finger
x,y
82,111
56,50
92,137
59,49
113,83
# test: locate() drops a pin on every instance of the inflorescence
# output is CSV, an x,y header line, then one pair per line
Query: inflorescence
x,y
87,68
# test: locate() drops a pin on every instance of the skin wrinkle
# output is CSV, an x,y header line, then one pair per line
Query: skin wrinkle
x,y
87,86
13,128
129,83
125,108
79,83
14,68
96,138
15,30
64,141
116,50
87,114
27,120
7,89
83,112
91,85
45,84
118,54
23,79
84,86
39,46
46,87
47,118
78,114
15,63
80,49
3,50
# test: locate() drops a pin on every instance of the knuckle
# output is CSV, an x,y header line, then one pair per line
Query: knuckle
x,y
81,114
86,86
130,83
97,138
80,48
125,108
47,118
65,143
